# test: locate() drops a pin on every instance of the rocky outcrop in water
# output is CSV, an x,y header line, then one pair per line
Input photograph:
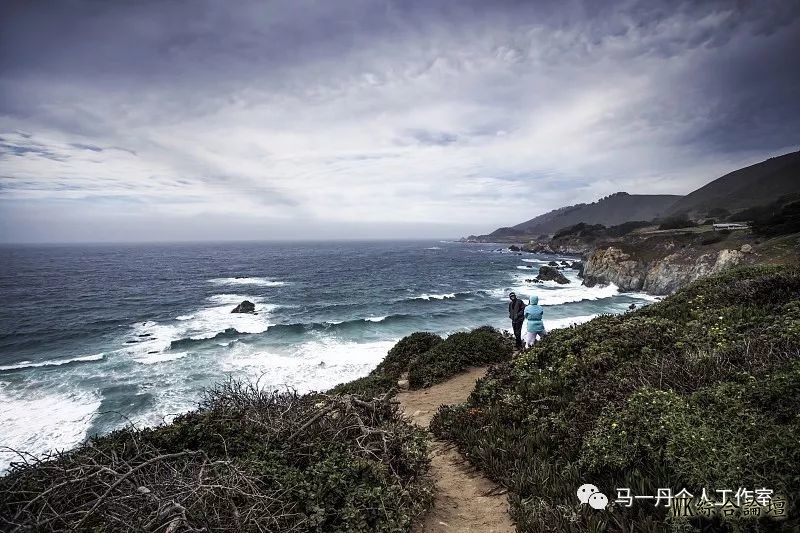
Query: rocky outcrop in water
x,y
245,307
659,275
548,273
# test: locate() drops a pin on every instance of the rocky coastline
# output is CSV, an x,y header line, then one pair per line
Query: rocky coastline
x,y
657,262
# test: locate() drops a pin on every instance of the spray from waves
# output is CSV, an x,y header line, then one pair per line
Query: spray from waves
x,y
338,326
552,293
239,280
40,421
149,338
315,365
428,297
53,362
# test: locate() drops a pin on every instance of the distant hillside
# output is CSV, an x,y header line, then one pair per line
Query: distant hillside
x,y
756,185
609,211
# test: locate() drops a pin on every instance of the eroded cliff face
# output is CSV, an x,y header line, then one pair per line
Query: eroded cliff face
x,y
658,275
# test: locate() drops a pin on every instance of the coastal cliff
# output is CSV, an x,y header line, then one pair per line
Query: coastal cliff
x,y
659,261
658,276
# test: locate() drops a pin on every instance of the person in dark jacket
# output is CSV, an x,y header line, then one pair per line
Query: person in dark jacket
x,y
516,312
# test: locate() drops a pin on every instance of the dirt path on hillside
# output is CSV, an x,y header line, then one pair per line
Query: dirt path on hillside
x,y
465,500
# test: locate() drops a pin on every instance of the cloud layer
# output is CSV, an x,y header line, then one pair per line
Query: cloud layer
x,y
260,120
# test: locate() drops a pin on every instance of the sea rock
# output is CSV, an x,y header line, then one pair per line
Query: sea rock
x,y
632,307
548,273
577,265
746,249
245,307
534,280
552,264
564,264
514,248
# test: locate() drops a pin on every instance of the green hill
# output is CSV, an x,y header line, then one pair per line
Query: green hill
x,y
756,185
609,211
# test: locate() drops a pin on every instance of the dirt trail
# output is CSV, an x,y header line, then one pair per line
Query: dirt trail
x,y
465,500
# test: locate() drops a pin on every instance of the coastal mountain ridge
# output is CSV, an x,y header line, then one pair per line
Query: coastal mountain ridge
x,y
752,186
756,185
611,210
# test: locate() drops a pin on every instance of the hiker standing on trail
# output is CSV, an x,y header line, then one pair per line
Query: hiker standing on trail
x,y
534,312
516,312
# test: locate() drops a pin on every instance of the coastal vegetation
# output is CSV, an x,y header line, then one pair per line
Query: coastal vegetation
x,y
245,460
701,390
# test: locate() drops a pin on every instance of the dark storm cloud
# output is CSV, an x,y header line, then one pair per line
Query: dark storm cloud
x,y
313,114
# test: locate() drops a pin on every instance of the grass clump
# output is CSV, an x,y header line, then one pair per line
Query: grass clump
x,y
246,460
701,390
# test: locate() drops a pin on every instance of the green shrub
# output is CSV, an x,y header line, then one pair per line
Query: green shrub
x,y
459,351
399,359
428,360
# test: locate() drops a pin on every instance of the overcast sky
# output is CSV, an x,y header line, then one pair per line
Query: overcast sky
x,y
184,120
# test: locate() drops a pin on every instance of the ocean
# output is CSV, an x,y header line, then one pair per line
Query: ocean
x,y
94,337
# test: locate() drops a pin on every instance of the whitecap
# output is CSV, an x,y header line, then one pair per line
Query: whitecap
x,y
427,296
52,362
233,299
205,323
261,282
184,317
376,318
299,367
433,248
39,421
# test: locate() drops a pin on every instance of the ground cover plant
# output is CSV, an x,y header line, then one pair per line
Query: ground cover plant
x,y
701,390
246,460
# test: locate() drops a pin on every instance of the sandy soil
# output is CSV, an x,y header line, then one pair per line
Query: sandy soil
x,y
465,500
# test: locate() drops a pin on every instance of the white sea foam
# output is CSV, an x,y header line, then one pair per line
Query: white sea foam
x,y
203,323
313,365
52,362
184,317
154,358
533,261
557,323
261,282
376,318
427,296
552,293
644,296
523,267
41,420
433,248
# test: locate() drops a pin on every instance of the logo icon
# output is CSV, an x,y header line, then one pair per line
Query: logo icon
x,y
591,495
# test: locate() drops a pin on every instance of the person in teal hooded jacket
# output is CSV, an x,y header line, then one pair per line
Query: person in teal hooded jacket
x,y
533,314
